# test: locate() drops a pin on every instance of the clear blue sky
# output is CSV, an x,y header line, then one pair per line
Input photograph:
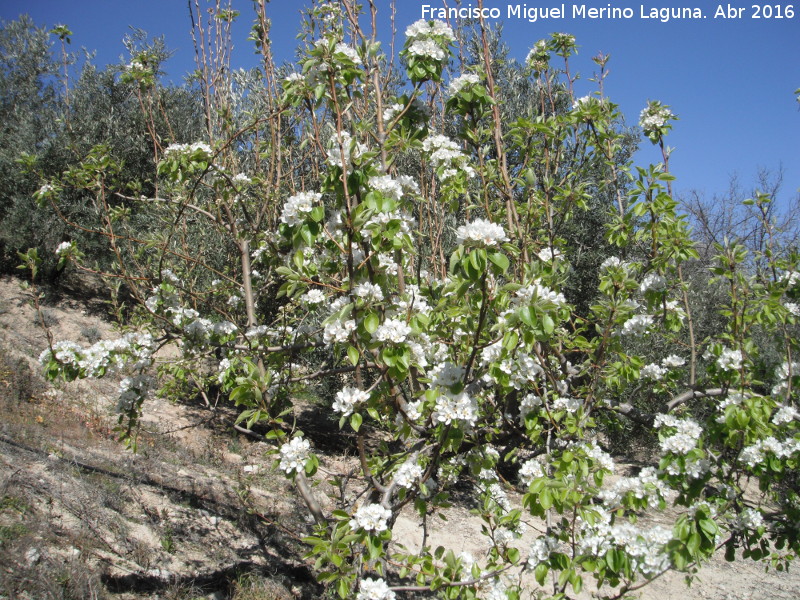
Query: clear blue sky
x,y
730,81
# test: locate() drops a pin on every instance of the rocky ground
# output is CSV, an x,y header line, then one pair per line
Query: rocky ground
x,y
198,511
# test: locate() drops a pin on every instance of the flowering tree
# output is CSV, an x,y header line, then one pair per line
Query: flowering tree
x,y
410,247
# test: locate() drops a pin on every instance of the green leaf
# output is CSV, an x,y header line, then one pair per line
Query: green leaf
x,y
371,323
355,421
500,259
353,355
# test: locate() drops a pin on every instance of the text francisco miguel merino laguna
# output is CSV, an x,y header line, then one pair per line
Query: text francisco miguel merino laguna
x,y
575,11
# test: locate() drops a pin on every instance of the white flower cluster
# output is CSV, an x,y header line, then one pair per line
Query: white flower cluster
x,y
790,278
580,102
347,398
755,454
793,308
391,112
730,360
538,291
548,254
531,469
673,361
782,375
541,549
350,150
687,433
179,149
482,233
571,405
338,331
407,222
653,371
294,78
425,29
637,325
133,349
646,547
429,39
348,52
371,292
492,589
749,518
313,296
653,282
371,517
785,414
466,80
200,330
694,468
392,330
390,187
614,262
63,248
444,153
45,190
496,492
537,54
445,374
294,455
455,407
645,486
654,117
598,455
133,391
408,473
374,589
297,207
528,404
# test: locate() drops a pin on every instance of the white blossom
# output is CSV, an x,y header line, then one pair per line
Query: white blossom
x,y
653,371
568,404
687,433
785,414
338,331
299,206
653,282
352,150
350,53
313,296
374,589
371,517
673,361
294,455
392,330
455,407
548,254
347,398
637,325
63,248
457,84
368,291
426,29
653,117
408,473
541,549
530,470
481,232
730,360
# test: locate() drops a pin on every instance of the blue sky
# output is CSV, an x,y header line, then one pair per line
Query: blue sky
x,y
730,81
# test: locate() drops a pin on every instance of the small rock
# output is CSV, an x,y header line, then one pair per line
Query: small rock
x,y
32,556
